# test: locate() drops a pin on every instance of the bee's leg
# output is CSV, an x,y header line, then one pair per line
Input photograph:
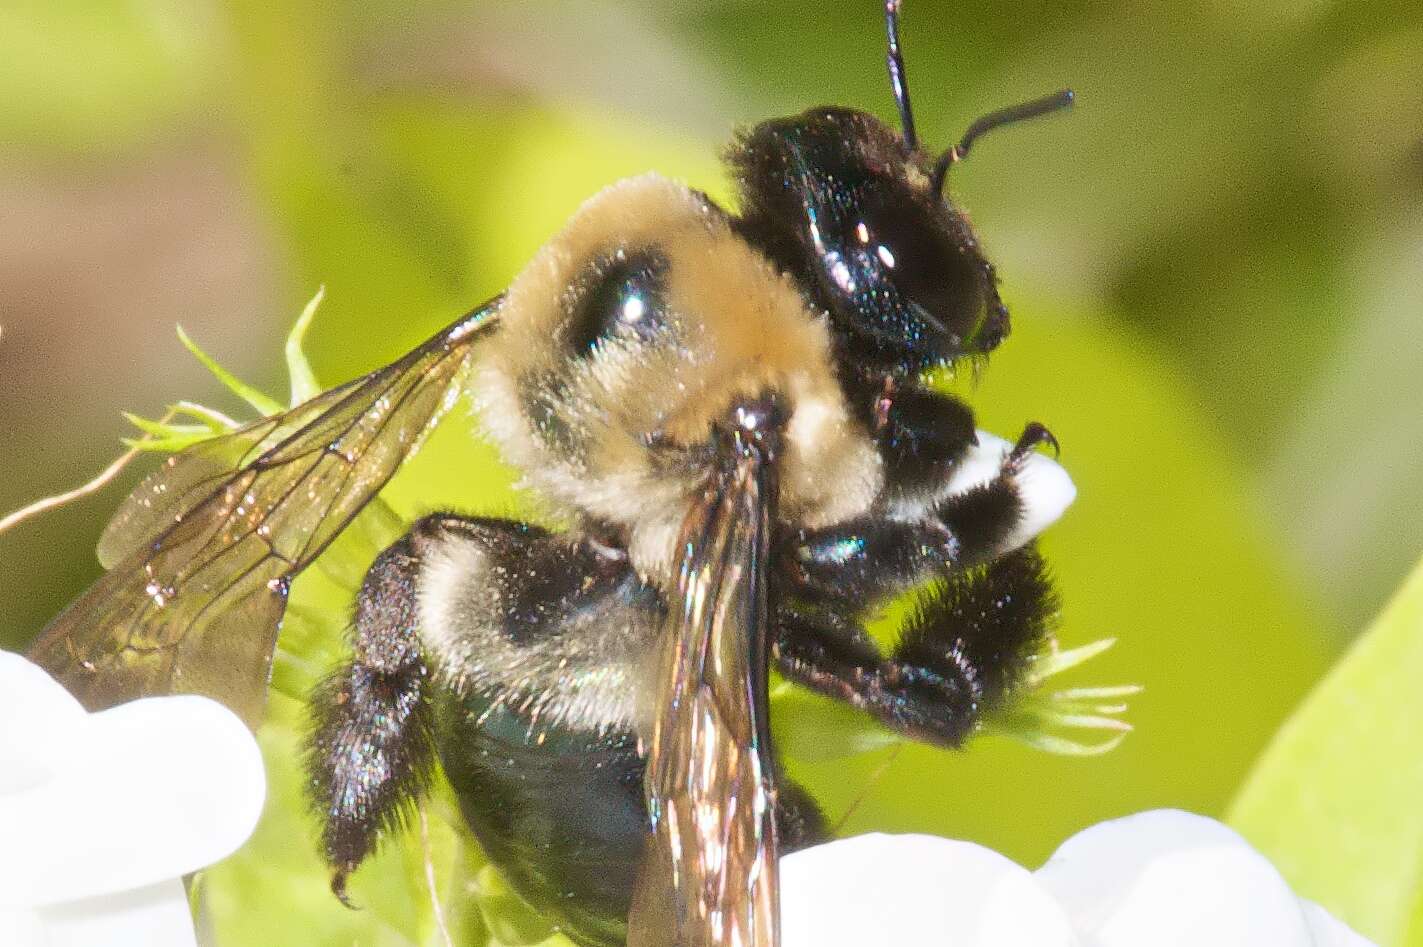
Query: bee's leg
x,y
867,559
799,821
1001,498
371,750
922,435
965,644
990,495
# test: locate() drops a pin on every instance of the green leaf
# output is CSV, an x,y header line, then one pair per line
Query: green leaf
x,y
1337,799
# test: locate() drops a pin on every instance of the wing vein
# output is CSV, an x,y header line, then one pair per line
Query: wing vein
x,y
190,603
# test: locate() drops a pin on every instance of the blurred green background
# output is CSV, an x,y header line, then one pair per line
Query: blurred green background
x,y
1213,261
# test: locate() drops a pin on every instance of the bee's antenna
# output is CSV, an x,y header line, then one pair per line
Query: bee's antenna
x,y
895,61
996,119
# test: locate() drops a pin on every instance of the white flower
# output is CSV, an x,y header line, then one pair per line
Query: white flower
x,y
102,814
1157,879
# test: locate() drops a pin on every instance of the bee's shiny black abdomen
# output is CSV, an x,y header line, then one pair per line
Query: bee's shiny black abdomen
x,y
564,819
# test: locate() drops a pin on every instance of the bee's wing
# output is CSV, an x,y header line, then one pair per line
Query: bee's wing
x,y
204,551
188,477
710,874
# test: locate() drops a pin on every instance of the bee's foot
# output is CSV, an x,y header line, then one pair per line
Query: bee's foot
x,y
1033,435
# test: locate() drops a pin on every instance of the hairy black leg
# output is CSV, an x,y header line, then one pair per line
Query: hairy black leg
x,y
982,625
922,435
831,654
799,821
371,748
983,517
868,558
965,644
874,556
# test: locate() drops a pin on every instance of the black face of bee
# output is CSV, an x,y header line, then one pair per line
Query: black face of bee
x,y
839,200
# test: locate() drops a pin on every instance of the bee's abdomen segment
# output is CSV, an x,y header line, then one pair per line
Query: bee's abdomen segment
x,y
534,639
539,644
554,626
563,814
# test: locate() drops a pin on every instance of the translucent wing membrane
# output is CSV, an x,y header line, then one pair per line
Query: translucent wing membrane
x,y
186,479
709,877
202,555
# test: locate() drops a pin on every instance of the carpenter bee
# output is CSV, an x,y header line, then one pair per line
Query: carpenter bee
x,y
729,410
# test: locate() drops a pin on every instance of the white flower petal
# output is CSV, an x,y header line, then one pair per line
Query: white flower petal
x,y
154,789
153,916
1328,930
914,889
1172,879
21,927
37,717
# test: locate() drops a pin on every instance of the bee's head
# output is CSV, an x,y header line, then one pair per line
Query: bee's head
x,y
838,198
857,212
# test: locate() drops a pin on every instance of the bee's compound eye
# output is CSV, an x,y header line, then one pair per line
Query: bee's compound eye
x,y
620,296
938,278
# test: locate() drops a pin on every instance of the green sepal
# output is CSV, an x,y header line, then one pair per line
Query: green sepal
x,y
304,385
265,405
